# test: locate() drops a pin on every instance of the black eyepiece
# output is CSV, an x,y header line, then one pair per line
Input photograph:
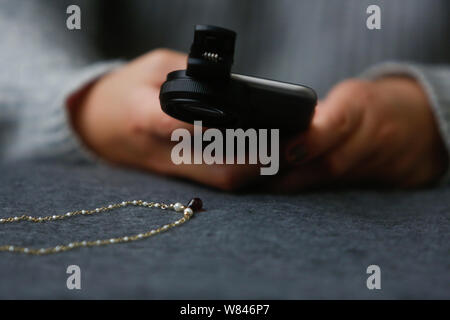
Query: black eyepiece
x,y
211,53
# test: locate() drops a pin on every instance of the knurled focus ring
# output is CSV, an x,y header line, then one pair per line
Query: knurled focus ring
x,y
187,88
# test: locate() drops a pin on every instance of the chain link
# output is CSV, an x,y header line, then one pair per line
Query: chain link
x,y
178,207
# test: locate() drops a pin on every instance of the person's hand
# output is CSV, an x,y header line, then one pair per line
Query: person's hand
x,y
119,117
378,133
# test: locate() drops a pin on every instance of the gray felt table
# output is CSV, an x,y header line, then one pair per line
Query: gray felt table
x,y
252,246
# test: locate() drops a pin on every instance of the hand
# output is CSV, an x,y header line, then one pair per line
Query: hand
x,y
380,132
119,117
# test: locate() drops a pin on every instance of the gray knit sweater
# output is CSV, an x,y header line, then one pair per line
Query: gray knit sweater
x,y
313,42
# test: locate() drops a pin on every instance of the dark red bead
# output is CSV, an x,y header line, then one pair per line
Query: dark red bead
x,y
195,204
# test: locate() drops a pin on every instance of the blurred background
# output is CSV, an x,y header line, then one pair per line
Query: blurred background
x,y
314,42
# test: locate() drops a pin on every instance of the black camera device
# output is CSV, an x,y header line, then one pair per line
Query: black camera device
x,y
208,91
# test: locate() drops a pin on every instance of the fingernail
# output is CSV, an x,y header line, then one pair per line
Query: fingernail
x,y
296,154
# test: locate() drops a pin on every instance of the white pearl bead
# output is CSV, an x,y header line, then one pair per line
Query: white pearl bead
x,y
68,214
140,235
157,205
112,240
97,210
83,211
57,248
26,250
145,203
178,207
125,238
2,220
110,206
11,248
134,202
84,243
54,217
16,218
188,212
70,245
124,203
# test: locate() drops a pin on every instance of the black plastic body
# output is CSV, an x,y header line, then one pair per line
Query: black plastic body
x,y
207,91
239,102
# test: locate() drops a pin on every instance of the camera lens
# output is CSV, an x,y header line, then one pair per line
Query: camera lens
x,y
188,99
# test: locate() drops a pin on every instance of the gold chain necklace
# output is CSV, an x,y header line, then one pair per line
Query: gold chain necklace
x,y
194,205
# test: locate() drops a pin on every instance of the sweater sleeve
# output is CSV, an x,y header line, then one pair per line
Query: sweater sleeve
x,y
435,80
42,63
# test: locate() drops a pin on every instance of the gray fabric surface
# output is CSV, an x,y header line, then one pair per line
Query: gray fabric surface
x,y
314,245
